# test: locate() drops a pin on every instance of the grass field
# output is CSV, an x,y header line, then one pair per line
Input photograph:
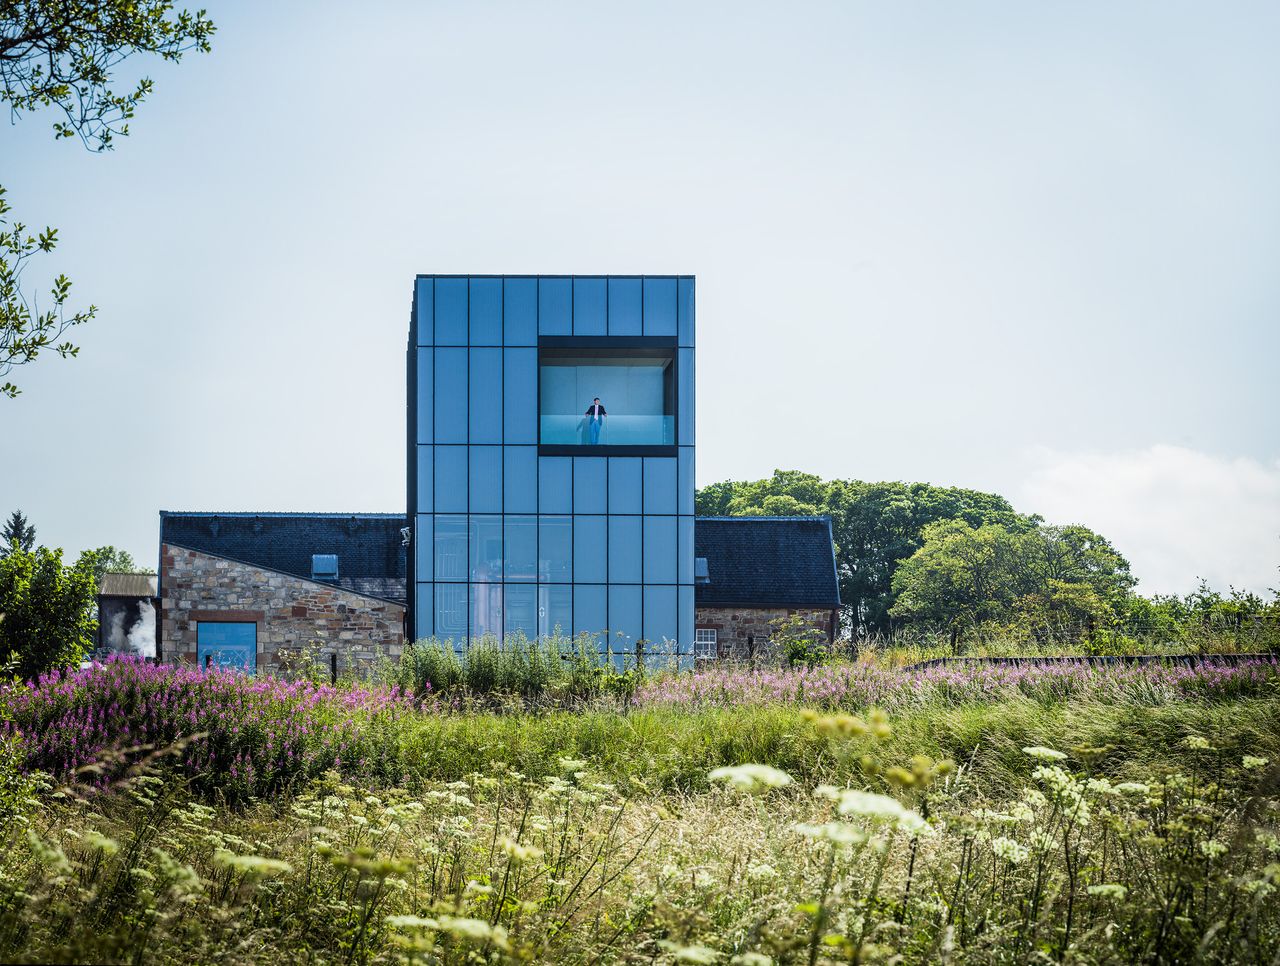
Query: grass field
x,y
1117,815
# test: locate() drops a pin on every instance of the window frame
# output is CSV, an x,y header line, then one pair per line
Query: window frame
x,y
669,344
210,649
698,640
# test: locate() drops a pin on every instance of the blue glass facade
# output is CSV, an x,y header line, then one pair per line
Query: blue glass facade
x,y
527,518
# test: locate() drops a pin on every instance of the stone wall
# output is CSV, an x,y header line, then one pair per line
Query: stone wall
x,y
291,613
745,633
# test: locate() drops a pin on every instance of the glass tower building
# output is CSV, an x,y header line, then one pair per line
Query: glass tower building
x,y
551,456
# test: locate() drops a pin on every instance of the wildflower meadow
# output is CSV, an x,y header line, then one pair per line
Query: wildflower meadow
x,y
847,813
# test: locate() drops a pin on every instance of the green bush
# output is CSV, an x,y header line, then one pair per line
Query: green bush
x,y
46,609
552,670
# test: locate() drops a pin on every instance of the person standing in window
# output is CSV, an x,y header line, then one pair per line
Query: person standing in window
x,y
595,420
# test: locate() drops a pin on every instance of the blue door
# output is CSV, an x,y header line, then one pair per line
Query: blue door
x,y
228,644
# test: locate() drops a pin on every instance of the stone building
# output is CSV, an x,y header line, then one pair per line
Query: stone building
x,y
752,573
248,589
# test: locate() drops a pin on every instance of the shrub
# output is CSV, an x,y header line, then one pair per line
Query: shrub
x,y
46,610
551,670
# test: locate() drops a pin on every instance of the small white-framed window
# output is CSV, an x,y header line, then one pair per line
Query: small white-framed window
x,y
704,643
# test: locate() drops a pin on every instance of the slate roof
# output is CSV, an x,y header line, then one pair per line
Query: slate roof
x,y
766,562
371,555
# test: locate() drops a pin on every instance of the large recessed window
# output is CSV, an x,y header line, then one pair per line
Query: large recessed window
x,y
634,381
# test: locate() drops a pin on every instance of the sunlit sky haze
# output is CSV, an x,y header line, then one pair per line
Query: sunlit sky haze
x,y
1029,248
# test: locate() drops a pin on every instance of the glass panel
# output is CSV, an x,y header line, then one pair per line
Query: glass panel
x,y
659,550
451,395
520,311
451,548
685,481
486,479
589,306
520,479
486,548
589,615
231,644
451,613
423,545
555,610
486,610
555,549
451,479
451,311
660,619
635,389
424,305
424,373
625,307
624,484
486,396
521,551
659,485
626,623
624,550
590,555
659,306
684,310
520,396
424,612
486,311
590,494
426,480
684,550
684,619
686,397
555,484
521,608
555,306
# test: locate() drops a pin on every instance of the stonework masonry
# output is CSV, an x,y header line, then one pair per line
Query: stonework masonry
x,y
745,633
292,614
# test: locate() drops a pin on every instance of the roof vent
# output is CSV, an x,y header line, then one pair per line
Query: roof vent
x,y
324,566
701,575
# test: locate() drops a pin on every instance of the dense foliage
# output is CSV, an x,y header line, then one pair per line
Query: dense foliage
x,y
46,609
1045,578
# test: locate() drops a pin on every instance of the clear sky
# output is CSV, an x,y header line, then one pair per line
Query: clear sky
x,y
1031,248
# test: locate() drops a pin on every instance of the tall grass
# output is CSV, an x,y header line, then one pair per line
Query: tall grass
x,y
553,669
244,737
904,861
857,686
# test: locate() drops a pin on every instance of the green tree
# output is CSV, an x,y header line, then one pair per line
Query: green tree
x,y
109,560
875,525
1045,580
62,54
18,532
46,610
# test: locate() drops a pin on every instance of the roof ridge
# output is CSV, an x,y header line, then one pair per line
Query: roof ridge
x,y
810,518
337,514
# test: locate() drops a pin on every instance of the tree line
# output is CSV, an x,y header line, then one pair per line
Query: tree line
x,y
918,558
